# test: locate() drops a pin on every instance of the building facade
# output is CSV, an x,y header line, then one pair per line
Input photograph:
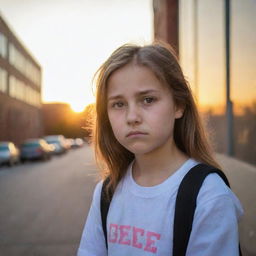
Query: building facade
x,y
216,47
20,89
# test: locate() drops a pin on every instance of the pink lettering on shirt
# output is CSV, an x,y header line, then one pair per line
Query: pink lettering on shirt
x,y
149,244
133,236
137,232
124,233
113,233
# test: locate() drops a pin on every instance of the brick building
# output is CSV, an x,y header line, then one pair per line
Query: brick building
x,y
20,89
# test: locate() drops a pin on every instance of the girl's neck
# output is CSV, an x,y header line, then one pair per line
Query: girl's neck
x,y
153,168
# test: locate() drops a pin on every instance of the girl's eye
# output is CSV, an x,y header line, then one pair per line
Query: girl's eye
x,y
118,104
148,100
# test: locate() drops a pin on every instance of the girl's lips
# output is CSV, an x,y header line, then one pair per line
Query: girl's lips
x,y
135,133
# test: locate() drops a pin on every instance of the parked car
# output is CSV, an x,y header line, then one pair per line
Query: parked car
x,y
68,143
59,142
35,149
9,153
77,143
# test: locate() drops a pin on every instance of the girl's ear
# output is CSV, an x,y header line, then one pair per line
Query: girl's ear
x,y
178,112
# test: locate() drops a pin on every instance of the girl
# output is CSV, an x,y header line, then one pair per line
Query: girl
x,y
147,136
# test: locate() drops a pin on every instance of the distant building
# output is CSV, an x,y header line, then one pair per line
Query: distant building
x,y
20,89
198,32
60,119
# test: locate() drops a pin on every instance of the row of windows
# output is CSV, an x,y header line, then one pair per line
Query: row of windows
x,y
3,80
23,65
17,59
21,91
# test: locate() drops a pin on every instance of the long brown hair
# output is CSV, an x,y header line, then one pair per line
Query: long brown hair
x,y
189,134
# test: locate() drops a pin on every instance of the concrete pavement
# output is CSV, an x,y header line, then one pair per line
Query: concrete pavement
x,y
242,177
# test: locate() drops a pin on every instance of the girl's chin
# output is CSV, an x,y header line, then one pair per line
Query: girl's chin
x,y
139,150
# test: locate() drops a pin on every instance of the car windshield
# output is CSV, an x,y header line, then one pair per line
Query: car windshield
x,y
31,144
3,147
51,141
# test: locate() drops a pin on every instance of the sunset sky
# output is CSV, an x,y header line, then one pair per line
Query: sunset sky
x,y
71,38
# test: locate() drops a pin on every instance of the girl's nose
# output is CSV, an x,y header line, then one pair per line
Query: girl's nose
x,y
133,116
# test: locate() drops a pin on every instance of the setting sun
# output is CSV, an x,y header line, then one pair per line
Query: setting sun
x,y
77,107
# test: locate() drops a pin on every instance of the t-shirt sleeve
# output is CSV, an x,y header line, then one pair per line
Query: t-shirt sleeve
x,y
215,225
93,241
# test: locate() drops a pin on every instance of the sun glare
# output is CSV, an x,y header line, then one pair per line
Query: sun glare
x,y
76,107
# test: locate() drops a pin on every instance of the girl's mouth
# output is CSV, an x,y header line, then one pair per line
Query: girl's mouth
x,y
135,134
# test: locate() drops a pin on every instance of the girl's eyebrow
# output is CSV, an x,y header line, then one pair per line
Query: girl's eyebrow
x,y
140,93
115,97
147,92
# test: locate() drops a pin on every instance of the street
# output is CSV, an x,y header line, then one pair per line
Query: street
x,y
44,204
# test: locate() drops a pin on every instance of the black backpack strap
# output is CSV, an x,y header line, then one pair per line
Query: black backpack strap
x,y
186,203
105,201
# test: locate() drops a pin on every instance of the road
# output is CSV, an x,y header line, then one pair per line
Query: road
x,y
44,204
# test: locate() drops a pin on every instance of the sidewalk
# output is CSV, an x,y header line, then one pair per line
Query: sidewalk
x,y
242,177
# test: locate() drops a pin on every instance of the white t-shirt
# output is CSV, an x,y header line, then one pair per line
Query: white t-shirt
x,y
140,219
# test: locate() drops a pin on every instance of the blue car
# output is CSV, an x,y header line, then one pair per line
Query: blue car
x,y
35,149
9,153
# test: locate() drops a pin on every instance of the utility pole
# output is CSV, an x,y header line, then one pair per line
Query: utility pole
x,y
195,29
229,104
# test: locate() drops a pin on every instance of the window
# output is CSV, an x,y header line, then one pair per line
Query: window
x,y
19,90
3,80
3,45
32,97
24,65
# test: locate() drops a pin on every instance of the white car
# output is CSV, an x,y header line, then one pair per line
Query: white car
x,y
59,142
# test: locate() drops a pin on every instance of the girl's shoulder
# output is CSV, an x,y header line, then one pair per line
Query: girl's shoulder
x,y
214,190
97,191
213,187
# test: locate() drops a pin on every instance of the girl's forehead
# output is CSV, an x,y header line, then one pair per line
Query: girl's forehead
x,y
134,77
133,68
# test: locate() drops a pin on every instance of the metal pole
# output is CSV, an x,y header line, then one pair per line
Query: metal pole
x,y
196,49
229,104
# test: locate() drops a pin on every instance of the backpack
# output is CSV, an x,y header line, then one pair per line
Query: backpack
x,y
185,205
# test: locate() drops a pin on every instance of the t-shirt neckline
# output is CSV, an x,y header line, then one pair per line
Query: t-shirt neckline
x,y
167,185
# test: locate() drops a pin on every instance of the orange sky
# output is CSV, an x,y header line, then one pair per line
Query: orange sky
x,y
70,39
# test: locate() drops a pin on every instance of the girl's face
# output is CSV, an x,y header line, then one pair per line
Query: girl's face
x,y
141,109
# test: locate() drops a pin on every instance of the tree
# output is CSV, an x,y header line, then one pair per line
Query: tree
x,y
89,115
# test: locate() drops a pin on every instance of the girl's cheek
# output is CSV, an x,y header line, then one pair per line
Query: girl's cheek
x,y
115,120
118,114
